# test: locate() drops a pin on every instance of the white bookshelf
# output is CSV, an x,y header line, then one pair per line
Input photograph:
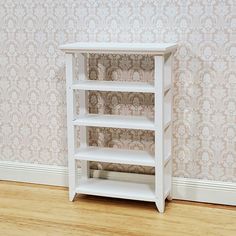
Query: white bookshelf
x,y
161,125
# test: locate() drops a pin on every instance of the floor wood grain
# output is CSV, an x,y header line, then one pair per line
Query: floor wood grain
x,y
37,210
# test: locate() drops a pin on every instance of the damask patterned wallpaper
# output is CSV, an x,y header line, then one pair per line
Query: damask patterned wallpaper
x,y
32,78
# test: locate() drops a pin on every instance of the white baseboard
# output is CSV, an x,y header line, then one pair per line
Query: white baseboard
x,y
183,188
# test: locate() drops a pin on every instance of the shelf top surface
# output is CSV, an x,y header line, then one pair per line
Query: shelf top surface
x,y
99,47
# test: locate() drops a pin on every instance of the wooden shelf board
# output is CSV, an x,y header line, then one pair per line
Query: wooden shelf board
x,y
117,189
114,155
113,86
115,121
121,48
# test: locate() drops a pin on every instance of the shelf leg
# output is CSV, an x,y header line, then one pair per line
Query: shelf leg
x,y
159,132
163,176
168,77
72,167
169,197
160,205
83,104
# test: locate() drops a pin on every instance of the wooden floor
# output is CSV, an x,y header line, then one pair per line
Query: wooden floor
x,y
32,210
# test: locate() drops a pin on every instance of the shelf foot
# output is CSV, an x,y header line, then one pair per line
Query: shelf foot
x,y
160,206
170,197
72,196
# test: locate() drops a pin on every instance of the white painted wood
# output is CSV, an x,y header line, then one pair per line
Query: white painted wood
x,y
167,193
161,124
70,73
115,121
167,159
168,178
168,108
121,48
115,86
167,125
159,132
167,70
167,88
117,189
114,155
200,190
83,110
169,112
167,141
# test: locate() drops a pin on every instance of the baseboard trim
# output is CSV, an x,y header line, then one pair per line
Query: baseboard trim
x,y
185,189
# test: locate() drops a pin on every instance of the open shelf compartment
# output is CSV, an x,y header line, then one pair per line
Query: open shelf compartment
x,y
114,155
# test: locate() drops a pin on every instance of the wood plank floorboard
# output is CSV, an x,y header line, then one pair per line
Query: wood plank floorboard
x,y
37,210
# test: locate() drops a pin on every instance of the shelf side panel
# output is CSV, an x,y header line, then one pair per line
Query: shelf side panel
x,y
159,132
70,74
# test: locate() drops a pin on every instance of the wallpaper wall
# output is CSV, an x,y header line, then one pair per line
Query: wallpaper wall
x,y
32,78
